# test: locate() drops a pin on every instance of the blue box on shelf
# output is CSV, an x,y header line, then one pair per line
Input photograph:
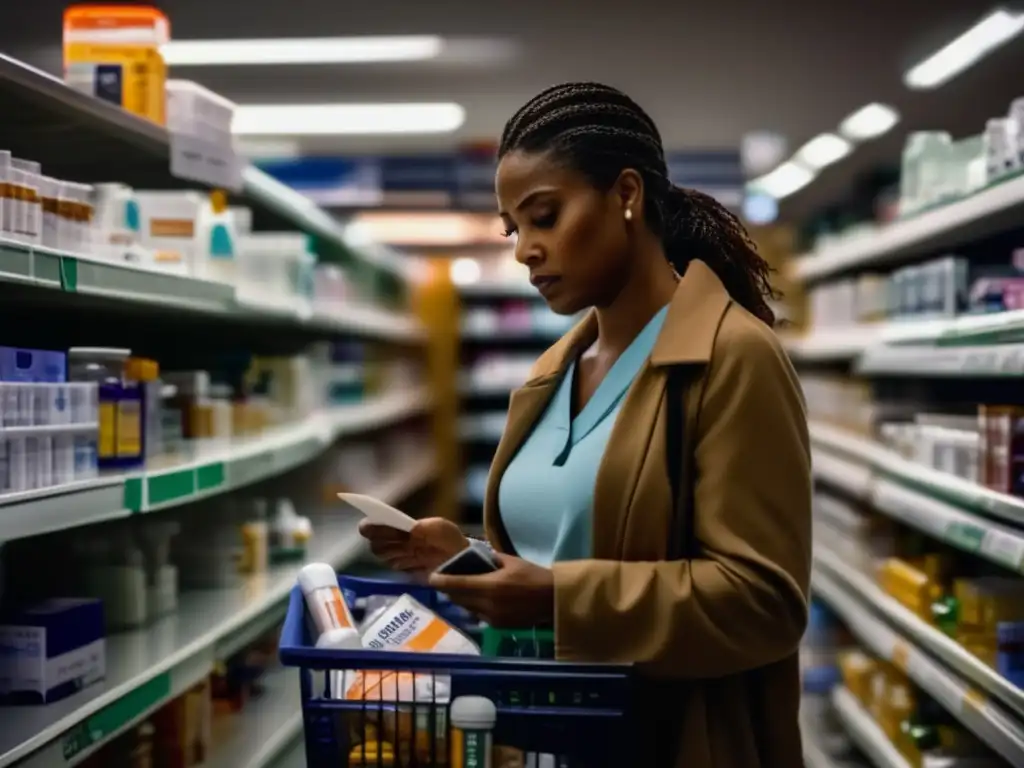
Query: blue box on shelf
x,y
51,650
33,365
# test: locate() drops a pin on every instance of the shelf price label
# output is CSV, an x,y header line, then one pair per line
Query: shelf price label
x,y
1012,359
981,361
1003,547
115,717
214,164
967,536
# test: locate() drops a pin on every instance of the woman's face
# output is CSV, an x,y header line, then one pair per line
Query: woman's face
x,y
571,235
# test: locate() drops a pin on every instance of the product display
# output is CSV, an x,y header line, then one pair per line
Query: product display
x,y
915,421
178,387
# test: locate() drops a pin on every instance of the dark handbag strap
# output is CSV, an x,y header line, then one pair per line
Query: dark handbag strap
x,y
680,467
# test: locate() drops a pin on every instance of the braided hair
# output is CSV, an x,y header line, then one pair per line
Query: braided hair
x,y
600,131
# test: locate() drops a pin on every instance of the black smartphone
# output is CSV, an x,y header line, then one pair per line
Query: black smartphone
x,y
469,562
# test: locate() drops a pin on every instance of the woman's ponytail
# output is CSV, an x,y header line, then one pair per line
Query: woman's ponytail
x,y
696,226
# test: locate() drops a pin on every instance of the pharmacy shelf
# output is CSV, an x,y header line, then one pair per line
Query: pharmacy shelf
x,y
865,732
72,133
50,113
814,755
838,345
990,211
151,666
265,729
939,504
303,213
139,287
984,717
989,361
212,468
918,632
969,345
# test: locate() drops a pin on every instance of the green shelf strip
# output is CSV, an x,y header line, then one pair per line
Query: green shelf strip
x,y
69,274
211,477
113,717
133,494
173,486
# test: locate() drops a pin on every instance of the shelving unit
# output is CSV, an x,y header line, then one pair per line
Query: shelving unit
x,y
153,665
267,729
119,145
814,757
81,138
988,212
829,565
936,368
988,720
939,504
211,470
865,732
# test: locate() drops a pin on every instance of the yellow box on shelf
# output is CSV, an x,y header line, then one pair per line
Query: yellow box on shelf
x,y
113,53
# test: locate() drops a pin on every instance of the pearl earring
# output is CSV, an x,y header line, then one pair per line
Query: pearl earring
x,y
629,214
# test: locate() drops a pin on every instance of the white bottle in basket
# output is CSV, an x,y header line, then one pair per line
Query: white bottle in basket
x,y
332,620
473,719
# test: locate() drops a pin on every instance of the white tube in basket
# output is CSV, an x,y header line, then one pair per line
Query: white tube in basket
x,y
327,607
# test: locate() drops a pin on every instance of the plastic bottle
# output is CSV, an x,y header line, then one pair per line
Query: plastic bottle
x,y
130,429
145,375
105,367
255,539
473,719
326,605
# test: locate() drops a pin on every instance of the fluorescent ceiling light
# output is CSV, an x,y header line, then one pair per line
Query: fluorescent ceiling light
x,y
345,119
984,37
824,149
869,121
784,180
299,50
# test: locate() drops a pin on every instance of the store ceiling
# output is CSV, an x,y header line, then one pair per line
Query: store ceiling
x,y
708,72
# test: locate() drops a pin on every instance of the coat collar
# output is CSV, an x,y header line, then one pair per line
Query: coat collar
x,y
687,336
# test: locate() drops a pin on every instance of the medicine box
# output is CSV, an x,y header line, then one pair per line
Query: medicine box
x,y
52,650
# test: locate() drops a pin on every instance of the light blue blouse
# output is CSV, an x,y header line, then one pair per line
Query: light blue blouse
x,y
546,495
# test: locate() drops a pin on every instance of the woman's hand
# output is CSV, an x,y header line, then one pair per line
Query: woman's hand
x,y
430,543
519,594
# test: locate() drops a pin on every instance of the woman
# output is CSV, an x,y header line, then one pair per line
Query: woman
x,y
580,506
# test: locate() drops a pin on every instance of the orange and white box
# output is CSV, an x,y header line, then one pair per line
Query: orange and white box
x,y
411,627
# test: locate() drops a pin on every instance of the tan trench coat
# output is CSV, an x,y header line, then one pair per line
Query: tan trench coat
x,y
726,625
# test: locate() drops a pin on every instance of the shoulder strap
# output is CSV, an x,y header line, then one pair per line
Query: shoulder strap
x,y
680,467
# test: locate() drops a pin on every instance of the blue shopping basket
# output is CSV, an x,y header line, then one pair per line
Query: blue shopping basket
x,y
579,713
